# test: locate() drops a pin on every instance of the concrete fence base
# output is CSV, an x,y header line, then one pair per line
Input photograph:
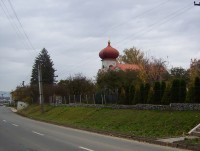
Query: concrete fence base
x,y
171,107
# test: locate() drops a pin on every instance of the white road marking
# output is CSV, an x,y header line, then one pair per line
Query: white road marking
x,y
38,133
85,148
4,121
15,125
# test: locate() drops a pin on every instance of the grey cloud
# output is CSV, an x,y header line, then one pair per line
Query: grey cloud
x,y
74,32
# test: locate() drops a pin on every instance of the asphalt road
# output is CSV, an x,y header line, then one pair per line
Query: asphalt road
x,y
22,134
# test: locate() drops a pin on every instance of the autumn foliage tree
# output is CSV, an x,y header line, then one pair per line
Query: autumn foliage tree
x,y
194,70
151,69
156,70
132,56
193,95
119,83
75,85
22,93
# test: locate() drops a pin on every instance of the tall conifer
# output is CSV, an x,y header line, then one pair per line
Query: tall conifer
x,y
47,68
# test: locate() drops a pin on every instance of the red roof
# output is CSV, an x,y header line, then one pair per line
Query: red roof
x,y
109,52
125,67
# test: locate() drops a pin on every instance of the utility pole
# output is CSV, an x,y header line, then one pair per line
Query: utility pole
x,y
2,97
196,4
40,88
54,95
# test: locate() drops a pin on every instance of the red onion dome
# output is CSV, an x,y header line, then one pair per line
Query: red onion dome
x,y
109,52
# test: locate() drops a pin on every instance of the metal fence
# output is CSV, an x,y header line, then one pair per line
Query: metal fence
x,y
84,99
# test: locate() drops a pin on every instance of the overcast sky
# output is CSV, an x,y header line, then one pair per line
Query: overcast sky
x,y
74,32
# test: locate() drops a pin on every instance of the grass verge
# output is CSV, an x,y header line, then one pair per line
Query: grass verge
x,y
139,123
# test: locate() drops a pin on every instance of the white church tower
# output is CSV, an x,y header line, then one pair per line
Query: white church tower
x,y
108,56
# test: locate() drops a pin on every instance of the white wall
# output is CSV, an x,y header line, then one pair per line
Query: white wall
x,y
106,63
21,105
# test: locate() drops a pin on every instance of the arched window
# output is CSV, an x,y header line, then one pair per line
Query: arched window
x,y
110,66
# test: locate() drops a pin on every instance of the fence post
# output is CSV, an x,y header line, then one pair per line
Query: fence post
x,y
86,98
65,100
105,98
101,99
54,102
94,99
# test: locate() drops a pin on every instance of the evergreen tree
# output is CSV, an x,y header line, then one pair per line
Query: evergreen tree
x,y
47,71
47,68
175,91
150,99
193,95
127,94
146,92
197,90
157,93
136,96
132,93
122,95
182,91
166,99
162,88
141,94
178,91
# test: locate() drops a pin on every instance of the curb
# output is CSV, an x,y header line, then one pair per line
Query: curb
x,y
13,110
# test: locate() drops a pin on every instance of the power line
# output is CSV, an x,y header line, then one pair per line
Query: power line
x,y
164,20
139,15
21,33
114,27
118,25
20,24
13,25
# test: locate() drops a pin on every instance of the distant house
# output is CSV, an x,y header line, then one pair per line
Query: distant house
x,y
109,57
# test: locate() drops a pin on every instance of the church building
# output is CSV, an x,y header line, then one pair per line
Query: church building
x,y
109,57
